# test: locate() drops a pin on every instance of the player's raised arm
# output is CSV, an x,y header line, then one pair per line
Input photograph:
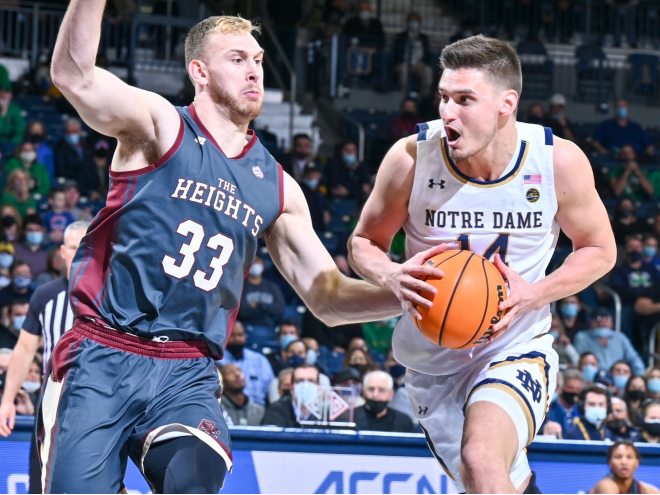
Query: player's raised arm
x,y
383,215
140,120
309,268
582,216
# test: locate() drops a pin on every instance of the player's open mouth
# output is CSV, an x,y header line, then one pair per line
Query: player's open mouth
x,y
452,136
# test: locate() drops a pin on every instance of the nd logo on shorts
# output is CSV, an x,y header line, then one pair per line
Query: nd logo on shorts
x,y
532,386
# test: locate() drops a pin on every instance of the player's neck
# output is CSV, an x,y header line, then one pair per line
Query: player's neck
x,y
230,135
624,484
491,161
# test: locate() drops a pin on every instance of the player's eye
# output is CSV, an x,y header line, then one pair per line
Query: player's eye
x,y
444,97
465,99
237,60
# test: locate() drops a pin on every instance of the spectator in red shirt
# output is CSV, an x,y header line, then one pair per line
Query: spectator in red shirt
x,y
403,124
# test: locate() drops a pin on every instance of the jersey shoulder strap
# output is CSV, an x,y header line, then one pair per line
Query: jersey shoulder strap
x,y
426,131
534,133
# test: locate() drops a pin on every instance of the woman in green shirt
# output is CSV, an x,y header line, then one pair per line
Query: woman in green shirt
x,y
17,193
12,124
26,159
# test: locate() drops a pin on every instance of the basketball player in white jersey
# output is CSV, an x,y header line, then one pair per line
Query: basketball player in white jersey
x,y
479,180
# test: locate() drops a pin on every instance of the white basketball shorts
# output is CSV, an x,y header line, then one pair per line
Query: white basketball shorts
x,y
521,380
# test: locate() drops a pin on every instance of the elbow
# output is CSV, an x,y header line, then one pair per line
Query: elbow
x,y
324,313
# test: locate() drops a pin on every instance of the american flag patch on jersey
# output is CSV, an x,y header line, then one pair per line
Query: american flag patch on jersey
x,y
532,179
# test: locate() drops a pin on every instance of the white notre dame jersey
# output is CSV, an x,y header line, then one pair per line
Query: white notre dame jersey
x,y
513,216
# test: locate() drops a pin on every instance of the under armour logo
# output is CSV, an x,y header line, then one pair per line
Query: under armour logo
x,y
208,427
530,384
432,183
423,410
200,140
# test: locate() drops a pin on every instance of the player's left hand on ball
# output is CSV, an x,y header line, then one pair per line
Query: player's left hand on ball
x,y
522,297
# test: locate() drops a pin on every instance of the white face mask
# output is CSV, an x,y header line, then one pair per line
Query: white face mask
x,y
28,156
31,387
256,269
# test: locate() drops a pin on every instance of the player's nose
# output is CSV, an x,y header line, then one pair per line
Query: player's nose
x,y
448,111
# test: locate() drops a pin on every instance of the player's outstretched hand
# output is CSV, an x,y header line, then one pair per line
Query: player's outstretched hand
x,y
7,418
403,281
522,298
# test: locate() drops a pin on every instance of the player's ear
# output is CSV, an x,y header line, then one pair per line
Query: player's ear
x,y
199,72
509,103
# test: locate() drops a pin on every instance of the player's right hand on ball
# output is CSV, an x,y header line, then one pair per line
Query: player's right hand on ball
x,y
403,279
7,418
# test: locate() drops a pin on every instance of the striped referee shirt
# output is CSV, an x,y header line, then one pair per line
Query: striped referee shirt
x,y
50,313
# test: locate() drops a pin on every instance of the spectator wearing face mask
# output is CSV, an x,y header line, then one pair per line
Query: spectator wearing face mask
x,y
652,376
21,278
650,250
237,405
621,372
618,422
284,384
318,206
25,158
18,310
375,415
592,407
71,200
572,317
7,252
32,383
358,358
631,278
412,52
286,411
623,459
31,248
350,378
562,344
300,156
647,307
10,223
634,395
365,27
588,366
287,332
346,176
535,114
258,372
557,121
612,135
73,159
629,179
626,222
404,124
650,426
262,302
608,346
35,133
17,194
564,409
12,124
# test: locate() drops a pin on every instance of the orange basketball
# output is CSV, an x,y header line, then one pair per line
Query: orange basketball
x,y
466,305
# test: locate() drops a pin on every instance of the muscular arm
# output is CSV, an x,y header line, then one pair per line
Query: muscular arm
x,y
145,124
383,215
582,216
19,366
307,266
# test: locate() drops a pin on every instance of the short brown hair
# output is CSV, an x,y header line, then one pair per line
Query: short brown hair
x,y
496,58
223,24
618,444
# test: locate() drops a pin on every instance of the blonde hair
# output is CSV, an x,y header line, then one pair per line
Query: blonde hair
x,y
221,24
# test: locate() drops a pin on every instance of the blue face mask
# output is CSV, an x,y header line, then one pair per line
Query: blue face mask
x,y
311,183
620,381
595,415
34,238
397,371
602,332
554,333
22,282
285,340
18,322
413,26
650,252
349,158
72,139
6,260
305,392
312,356
295,361
653,385
570,310
589,372
622,112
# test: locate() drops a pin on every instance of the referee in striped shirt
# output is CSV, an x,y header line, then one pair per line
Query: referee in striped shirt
x,y
49,316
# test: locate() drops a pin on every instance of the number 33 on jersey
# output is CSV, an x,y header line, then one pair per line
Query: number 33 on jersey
x,y
169,253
